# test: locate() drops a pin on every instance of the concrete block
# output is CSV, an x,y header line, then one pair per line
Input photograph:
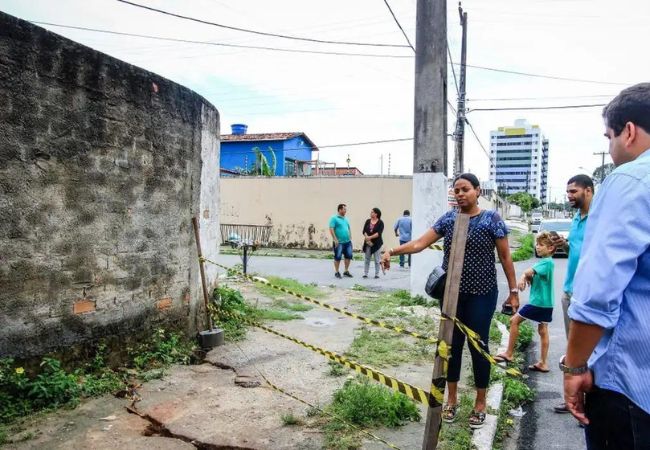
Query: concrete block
x,y
164,303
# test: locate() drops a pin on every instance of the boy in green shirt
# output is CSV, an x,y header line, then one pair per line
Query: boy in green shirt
x,y
540,307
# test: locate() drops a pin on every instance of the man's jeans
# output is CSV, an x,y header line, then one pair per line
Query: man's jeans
x,y
401,257
615,423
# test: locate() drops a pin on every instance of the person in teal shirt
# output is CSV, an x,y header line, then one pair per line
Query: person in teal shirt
x,y
541,301
340,231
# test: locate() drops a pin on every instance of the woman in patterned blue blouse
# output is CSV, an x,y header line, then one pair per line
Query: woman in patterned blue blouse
x,y
478,285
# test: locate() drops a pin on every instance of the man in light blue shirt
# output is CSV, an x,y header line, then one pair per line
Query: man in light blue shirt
x,y
402,229
607,365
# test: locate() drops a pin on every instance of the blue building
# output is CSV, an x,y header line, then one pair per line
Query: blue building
x,y
287,154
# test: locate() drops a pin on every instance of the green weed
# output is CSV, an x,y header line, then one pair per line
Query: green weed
x,y
458,436
276,314
309,290
289,419
526,250
378,348
495,333
360,288
336,369
164,348
291,306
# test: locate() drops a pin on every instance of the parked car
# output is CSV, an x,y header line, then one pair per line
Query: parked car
x,y
535,220
561,227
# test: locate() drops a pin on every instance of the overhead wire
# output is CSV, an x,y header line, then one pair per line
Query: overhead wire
x,y
399,24
531,108
261,33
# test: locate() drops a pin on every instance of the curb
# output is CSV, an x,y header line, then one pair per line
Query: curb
x,y
483,438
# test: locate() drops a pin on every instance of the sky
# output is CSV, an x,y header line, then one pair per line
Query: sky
x,y
343,99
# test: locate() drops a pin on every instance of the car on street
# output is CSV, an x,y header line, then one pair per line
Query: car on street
x,y
535,220
561,227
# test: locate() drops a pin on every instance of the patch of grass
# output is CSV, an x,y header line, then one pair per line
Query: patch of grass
x,y
495,333
372,405
276,314
380,349
289,419
163,349
231,301
336,369
360,288
291,306
458,435
526,250
309,290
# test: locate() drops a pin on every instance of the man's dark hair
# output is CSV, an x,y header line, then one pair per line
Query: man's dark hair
x,y
407,212
340,207
584,181
473,179
631,105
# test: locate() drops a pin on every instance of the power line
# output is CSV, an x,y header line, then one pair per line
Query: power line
x,y
527,108
218,44
536,75
318,147
540,98
478,139
453,71
399,25
261,33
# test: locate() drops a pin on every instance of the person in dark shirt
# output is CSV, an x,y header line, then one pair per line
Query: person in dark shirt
x,y
372,241
478,285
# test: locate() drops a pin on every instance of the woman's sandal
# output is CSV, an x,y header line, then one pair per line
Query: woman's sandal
x,y
449,413
476,419
501,358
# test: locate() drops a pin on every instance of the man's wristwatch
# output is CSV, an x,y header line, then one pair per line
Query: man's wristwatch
x,y
572,370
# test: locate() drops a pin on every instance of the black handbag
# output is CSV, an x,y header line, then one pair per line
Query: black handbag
x,y
436,282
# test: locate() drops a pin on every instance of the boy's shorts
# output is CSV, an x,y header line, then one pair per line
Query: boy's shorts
x,y
341,250
536,313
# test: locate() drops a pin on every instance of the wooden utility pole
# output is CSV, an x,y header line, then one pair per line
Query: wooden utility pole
x,y
459,133
602,165
204,285
446,330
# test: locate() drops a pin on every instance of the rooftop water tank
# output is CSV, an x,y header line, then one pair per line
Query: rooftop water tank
x,y
239,128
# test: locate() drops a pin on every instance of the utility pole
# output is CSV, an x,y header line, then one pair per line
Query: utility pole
x,y
602,165
459,133
381,159
429,155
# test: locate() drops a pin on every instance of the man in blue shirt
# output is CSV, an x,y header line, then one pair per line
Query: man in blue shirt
x,y
402,229
580,192
607,364
340,231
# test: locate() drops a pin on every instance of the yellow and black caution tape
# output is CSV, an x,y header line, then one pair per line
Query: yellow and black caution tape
x,y
437,247
475,341
431,399
378,323
472,336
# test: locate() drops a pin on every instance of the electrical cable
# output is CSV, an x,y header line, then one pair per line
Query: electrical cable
x,y
529,108
261,33
399,25
453,71
478,139
218,44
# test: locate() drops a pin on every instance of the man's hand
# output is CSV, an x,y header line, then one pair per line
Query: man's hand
x,y
558,241
385,261
336,242
575,387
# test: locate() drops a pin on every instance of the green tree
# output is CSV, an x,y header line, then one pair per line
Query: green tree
x,y
601,172
524,200
262,166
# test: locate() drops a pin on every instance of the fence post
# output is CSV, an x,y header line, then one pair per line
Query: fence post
x,y
204,284
446,330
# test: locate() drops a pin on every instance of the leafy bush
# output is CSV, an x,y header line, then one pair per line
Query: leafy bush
x,y
163,349
231,301
517,392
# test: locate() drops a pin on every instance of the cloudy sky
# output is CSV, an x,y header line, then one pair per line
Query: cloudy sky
x,y
342,99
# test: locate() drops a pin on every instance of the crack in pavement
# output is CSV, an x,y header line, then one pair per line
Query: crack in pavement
x,y
157,428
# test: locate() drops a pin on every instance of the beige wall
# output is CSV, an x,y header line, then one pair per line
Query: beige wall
x,y
300,208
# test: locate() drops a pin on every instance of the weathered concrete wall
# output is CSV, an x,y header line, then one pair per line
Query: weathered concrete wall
x,y
300,208
100,173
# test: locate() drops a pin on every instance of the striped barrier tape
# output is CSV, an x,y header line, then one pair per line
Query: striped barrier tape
x,y
437,247
472,336
378,323
430,399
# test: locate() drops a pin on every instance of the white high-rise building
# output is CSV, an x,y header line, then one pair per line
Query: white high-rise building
x,y
519,160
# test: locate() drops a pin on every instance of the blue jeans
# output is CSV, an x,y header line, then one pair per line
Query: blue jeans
x,y
475,311
344,249
615,422
401,257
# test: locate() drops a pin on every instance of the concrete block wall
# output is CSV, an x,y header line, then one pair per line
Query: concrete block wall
x,y
100,173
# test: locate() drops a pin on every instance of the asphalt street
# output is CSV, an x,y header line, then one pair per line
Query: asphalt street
x,y
541,428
